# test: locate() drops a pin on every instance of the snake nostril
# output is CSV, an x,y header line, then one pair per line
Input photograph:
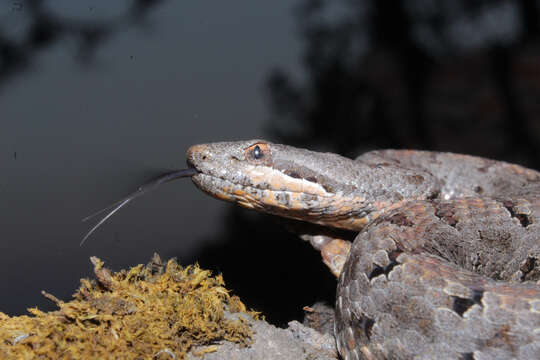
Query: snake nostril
x,y
198,153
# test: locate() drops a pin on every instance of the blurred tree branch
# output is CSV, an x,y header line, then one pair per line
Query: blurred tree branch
x,y
45,28
440,75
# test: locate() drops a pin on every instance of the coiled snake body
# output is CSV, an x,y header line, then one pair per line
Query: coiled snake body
x,y
447,258
446,262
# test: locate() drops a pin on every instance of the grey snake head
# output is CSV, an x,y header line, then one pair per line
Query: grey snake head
x,y
280,180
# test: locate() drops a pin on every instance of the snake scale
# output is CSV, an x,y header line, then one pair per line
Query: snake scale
x,y
446,261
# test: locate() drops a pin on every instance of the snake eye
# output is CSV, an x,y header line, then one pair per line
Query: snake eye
x,y
258,152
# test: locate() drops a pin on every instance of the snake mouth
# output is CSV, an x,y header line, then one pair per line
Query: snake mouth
x,y
260,197
210,182
334,211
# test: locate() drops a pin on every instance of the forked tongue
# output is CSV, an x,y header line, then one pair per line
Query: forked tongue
x,y
147,187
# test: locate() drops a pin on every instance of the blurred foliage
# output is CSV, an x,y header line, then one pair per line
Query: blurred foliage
x,y
41,27
460,76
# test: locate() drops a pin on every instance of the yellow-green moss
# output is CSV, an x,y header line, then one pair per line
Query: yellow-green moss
x,y
146,312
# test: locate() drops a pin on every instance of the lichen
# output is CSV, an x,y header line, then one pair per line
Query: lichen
x,y
147,312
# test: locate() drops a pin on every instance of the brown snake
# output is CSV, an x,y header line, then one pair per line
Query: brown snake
x,y
446,263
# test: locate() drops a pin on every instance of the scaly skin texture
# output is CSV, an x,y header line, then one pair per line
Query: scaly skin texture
x,y
446,262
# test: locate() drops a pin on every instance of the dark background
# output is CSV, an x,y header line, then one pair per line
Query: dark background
x,y
97,96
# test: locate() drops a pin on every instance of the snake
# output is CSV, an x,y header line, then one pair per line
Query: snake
x,y
445,261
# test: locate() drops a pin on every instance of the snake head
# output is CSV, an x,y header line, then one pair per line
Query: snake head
x,y
283,180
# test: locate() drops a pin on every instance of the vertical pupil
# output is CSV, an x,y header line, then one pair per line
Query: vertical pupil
x,y
257,152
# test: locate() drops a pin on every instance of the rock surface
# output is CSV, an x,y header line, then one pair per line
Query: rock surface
x,y
269,342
